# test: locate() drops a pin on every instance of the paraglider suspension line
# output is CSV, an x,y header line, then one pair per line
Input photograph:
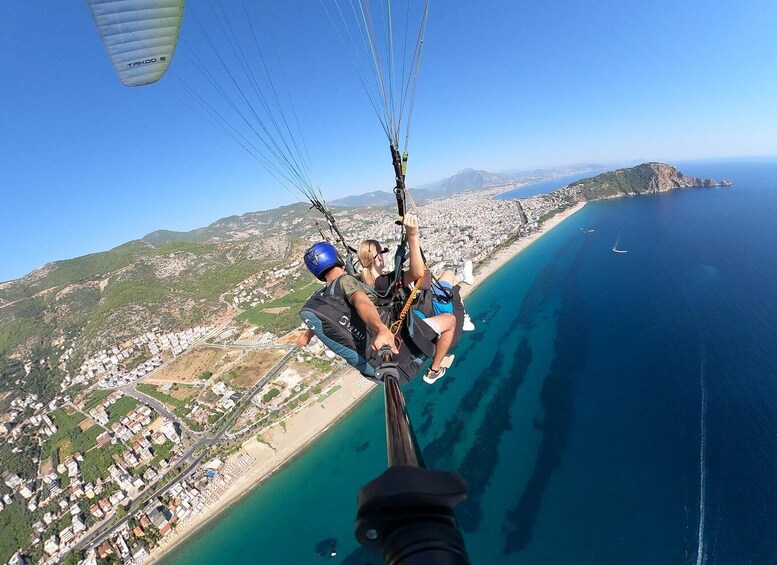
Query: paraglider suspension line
x,y
399,189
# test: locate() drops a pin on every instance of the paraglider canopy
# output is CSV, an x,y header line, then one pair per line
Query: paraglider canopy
x,y
139,35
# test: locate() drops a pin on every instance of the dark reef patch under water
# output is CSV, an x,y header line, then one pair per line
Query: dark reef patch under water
x,y
327,548
363,447
481,460
438,452
428,417
558,403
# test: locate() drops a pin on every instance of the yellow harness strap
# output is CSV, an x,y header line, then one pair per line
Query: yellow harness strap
x,y
397,325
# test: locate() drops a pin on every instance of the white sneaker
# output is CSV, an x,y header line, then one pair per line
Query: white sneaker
x,y
431,375
466,274
468,325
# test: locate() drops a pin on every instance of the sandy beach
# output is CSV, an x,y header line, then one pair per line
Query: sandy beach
x,y
284,440
498,259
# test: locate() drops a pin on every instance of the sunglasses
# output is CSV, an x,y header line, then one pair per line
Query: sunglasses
x,y
380,252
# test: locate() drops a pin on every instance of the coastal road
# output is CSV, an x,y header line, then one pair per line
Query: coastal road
x,y
158,406
254,389
248,347
105,530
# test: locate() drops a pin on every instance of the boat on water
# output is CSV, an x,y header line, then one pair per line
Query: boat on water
x,y
615,248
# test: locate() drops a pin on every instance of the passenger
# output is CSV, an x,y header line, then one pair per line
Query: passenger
x,y
372,257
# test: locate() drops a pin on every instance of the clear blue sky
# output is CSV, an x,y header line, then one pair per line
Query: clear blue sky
x,y
87,164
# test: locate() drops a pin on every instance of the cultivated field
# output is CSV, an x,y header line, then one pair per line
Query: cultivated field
x,y
253,366
188,367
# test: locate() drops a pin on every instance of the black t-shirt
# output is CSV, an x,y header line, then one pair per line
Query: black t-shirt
x,y
382,284
350,284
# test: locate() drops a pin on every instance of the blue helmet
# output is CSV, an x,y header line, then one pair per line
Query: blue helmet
x,y
321,257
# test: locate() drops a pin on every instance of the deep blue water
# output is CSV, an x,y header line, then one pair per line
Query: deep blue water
x,y
576,410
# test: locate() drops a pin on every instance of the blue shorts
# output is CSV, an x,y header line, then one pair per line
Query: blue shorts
x,y
442,292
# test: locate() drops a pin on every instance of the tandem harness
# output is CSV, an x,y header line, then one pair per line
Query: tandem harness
x,y
335,321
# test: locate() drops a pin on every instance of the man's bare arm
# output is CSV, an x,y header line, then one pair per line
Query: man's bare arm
x,y
305,338
370,316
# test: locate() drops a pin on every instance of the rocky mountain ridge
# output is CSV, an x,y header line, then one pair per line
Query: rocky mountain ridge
x,y
465,180
647,178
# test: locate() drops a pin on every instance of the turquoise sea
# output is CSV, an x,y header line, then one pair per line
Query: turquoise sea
x,y
610,407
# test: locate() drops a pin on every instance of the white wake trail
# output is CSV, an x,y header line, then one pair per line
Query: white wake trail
x,y
700,557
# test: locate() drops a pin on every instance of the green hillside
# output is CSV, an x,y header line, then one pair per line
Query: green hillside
x,y
644,178
635,180
100,299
